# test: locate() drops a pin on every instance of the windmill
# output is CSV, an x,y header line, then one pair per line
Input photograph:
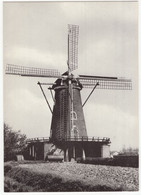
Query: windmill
x,y
68,129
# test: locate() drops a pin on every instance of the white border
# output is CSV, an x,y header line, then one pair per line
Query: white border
x,y
1,98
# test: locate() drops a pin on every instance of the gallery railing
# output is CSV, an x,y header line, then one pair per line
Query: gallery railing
x,y
82,139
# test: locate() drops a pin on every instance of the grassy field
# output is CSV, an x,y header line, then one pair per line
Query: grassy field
x,y
49,177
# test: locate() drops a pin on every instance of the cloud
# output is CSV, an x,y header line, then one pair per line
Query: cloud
x,y
33,57
108,121
90,12
23,109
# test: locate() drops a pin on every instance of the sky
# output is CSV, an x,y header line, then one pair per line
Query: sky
x,y
35,35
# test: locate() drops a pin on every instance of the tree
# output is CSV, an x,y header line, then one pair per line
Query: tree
x,y
14,143
129,151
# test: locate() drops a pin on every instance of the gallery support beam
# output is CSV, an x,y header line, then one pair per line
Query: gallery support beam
x,y
90,94
45,97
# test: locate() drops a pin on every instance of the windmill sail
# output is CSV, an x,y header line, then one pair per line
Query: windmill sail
x,y
73,31
31,71
105,82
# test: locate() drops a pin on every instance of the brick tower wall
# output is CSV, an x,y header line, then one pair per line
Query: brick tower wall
x,y
61,127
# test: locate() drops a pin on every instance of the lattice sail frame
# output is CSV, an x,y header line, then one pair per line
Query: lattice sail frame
x,y
73,31
118,84
31,71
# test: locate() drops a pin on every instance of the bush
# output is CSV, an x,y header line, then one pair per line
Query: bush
x,y
124,161
14,143
7,168
10,185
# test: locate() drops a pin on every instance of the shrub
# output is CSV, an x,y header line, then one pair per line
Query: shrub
x,y
7,168
124,161
10,185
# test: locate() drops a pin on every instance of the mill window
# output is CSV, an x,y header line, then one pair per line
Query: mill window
x,y
73,115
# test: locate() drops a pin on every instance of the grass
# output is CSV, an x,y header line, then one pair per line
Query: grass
x,y
21,179
47,182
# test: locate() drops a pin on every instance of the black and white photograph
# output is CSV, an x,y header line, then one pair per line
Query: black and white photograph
x,y
70,96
